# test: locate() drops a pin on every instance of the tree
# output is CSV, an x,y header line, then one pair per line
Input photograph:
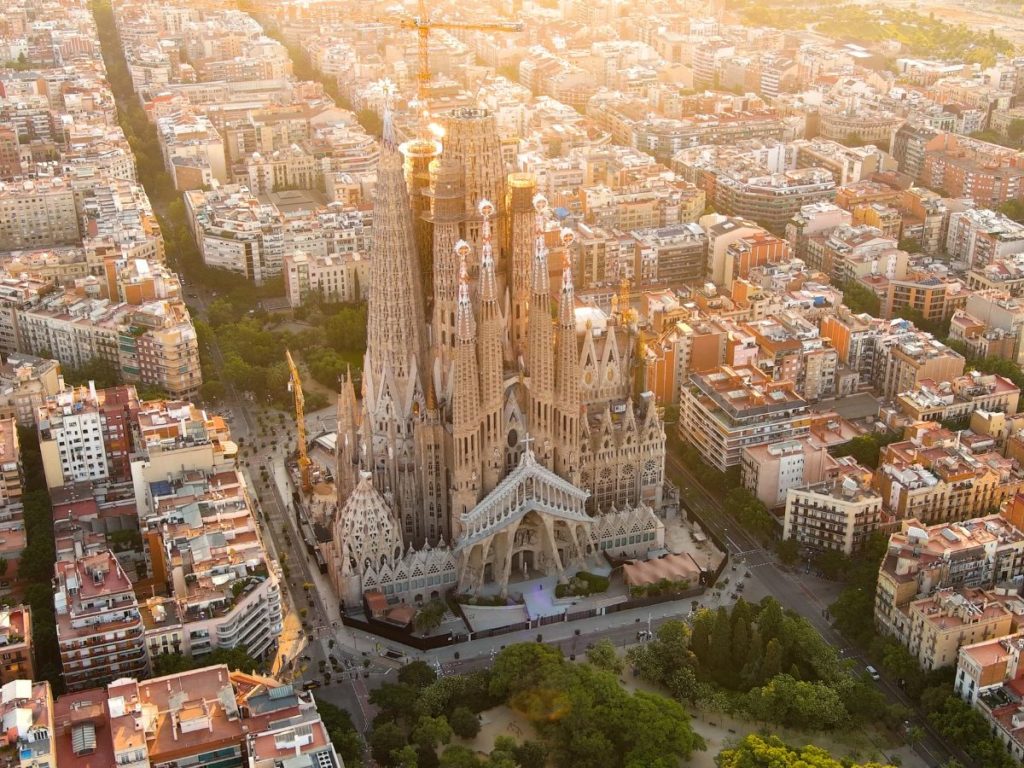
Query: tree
x,y
465,724
396,702
1015,131
796,703
170,664
859,298
909,244
385,739
103,373
341,731
431,731
236,658
757,751
428,618
530,754
788,551
417,674
866,449
750,674
406,757
832,563
772,664
458,756
370,121
519,666
603,656
700,643
769,619
740,643
721,644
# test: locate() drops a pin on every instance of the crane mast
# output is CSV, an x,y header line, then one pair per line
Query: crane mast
x,y
295,385
423,25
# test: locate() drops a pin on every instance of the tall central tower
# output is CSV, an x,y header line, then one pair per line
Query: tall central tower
x,y
471,140
393,393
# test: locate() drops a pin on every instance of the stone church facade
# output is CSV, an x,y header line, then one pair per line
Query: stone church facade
x,y
498,433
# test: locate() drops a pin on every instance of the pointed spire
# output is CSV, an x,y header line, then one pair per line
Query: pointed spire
x,y
566,310
464,323
488,284
388,131
540,285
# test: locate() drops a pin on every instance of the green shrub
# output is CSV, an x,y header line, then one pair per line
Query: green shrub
x,y
582,585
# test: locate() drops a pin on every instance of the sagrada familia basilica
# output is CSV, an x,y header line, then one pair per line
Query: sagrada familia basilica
x,y
498,434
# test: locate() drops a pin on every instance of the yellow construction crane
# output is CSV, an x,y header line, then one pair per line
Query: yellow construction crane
x,y
423,24
295,387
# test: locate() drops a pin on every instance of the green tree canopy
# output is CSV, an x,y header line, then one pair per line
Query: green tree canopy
x,y
756,751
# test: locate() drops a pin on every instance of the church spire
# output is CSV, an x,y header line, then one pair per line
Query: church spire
x,y
540,347
567,366
466,404
490,351
395,344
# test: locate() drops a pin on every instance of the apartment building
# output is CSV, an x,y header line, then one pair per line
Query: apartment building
x,y
341,278
192,149
790,348
26,382
846,253
957,399
928,289
747,253
904,358
983,667
925,216
722,233
987,173
153,343
210,716
28,708
910,145
951,617
239,232
10,465
847,164
204,543
769,471
991,325
174,436
37,213
771,199
86,434
16,644
1003,274
839,513
885,218
978,237
672,256
980,552
854,338
864,193
100,632
727,409
815,219
692,343
934,478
